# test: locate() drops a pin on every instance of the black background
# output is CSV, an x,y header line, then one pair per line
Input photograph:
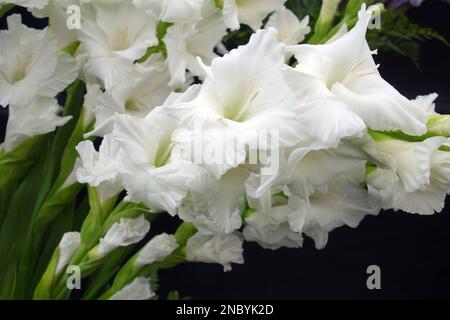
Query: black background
x,y
412,251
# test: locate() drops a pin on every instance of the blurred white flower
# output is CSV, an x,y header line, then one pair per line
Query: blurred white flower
x,y
31,65
139,289
38,117
157,249
56,11
174,11
69,243
219,248
249,12
290,29
426,103
123,233
27,3
89,102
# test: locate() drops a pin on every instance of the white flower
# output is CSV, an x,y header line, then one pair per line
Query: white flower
x,y
101,169
343,78
324,188
305,168
187,42
90,101
27,3
344,201
290,29
235,108
123,233
269,223
174,11
215,206
69,243
56,11
115,34
426,103
249,12
157,249
151,175
36,118
219,248
416,176
146,87
31,65
139,289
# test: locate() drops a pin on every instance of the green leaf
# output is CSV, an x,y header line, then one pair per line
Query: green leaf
x,y
44,287
400,36
14,165
14,230
105,274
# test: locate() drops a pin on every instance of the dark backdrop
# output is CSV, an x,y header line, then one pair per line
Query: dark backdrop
x,y
412,251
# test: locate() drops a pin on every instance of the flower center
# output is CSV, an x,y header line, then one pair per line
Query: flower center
x,y
23,63
122,39
237,110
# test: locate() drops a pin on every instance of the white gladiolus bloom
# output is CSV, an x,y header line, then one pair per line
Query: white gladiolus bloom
x,y
175,11
56,11
151,175
290,29
27,3
38,117
343,78
239,145
89,103
123,233
427,103
157,249
69,243
31,65
187,42
146,87
114,34
219,248
344,201
417,178
139,289
249,12
268,225
304,169
238,108
215,206
101,169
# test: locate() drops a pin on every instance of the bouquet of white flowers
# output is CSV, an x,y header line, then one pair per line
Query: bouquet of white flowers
x,y
269,142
